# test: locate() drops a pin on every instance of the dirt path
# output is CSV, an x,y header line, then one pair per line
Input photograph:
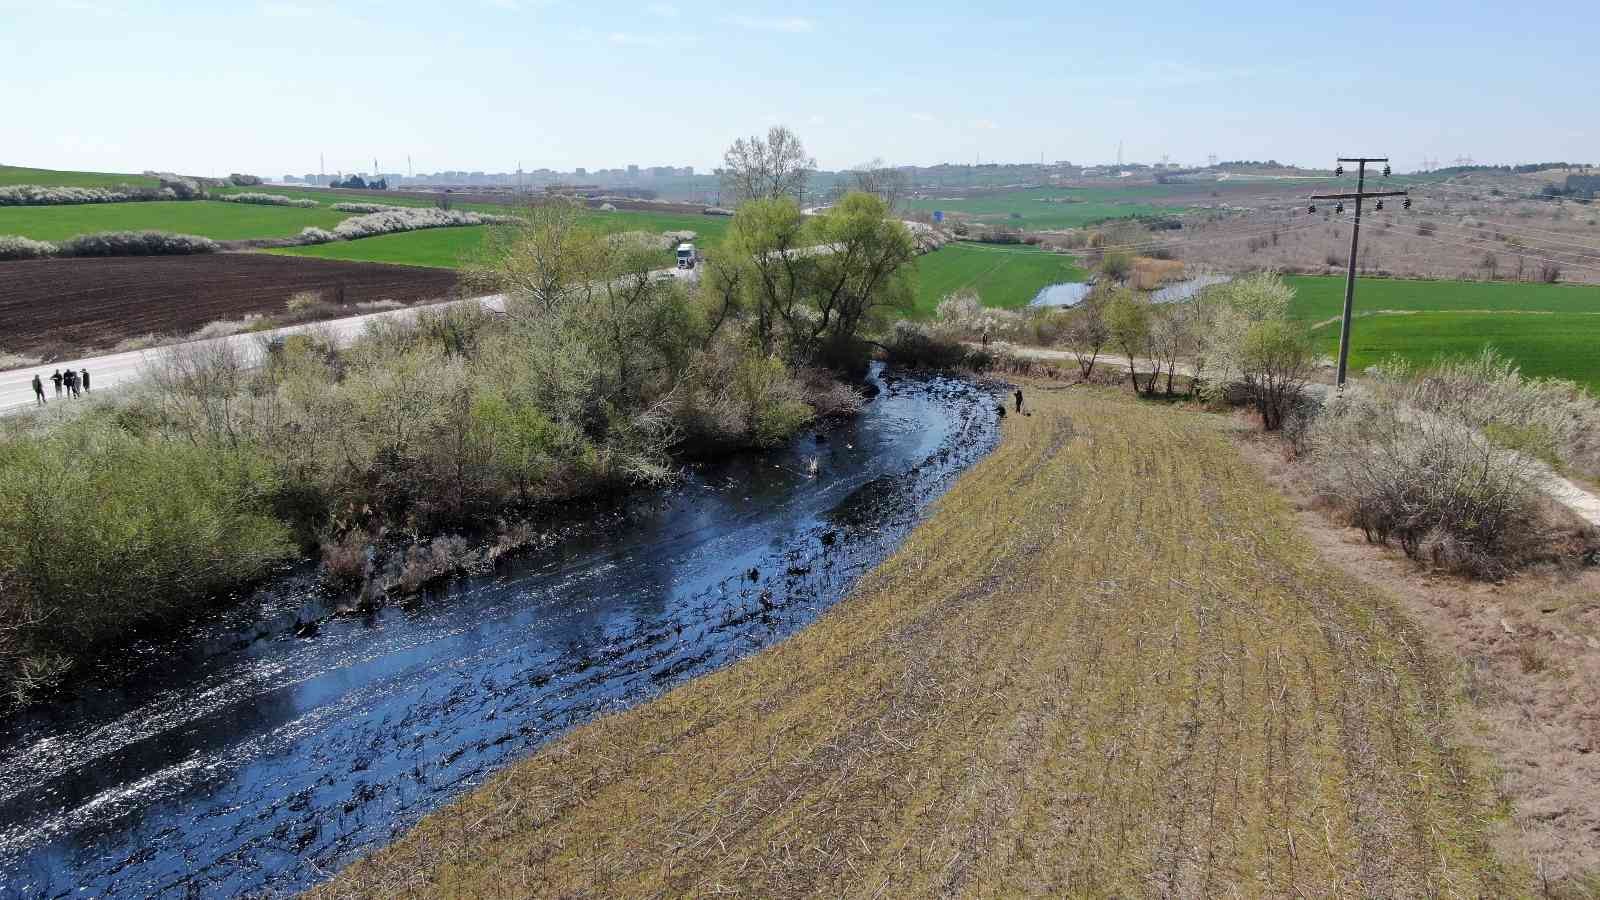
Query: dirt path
x,y
1176,699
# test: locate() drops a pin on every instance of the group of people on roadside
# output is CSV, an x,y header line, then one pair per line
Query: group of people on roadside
x,y
74,383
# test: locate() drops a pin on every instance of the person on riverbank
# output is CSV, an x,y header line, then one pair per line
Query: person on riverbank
x,y
1019,399
84,377
38,389
72,385
57,379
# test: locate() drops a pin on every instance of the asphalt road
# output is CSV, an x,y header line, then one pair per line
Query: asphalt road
x,y
115,369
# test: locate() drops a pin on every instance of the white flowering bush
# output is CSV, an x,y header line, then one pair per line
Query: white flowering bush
x,y
365,207
15,247
51,195
314,235
391,221
137,243
261,199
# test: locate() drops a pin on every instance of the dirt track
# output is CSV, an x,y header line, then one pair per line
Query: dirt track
x,y
59,308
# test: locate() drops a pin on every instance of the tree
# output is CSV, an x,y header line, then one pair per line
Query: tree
x,y
1275,362
815,284
1128,321
1086,333
766,169
1117,265
1490,265
882,181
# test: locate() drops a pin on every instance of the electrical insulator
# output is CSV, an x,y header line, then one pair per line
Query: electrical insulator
x,y
1312,208
1380,206
1386,170
1407,204
1338,208
1338,170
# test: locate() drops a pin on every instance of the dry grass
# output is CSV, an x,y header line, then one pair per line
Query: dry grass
x,y
1109,664
1526,651
1149,274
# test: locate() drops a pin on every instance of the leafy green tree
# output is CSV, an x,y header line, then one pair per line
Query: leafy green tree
x,y
1127,319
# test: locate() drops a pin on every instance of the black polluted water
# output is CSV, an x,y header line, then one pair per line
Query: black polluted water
x,y
259,751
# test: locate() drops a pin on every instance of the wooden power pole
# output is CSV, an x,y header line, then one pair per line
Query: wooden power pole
x,y
1355,238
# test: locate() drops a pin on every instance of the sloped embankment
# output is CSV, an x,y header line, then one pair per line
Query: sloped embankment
x,y
1109,664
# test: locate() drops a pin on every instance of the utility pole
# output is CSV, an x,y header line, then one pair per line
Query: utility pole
x,y
1355,238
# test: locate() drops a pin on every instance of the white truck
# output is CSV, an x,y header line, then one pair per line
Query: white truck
x,y
686,256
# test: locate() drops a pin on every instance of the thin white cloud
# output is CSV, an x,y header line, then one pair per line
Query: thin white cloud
x,y
787,24
290,11
664,10
629,39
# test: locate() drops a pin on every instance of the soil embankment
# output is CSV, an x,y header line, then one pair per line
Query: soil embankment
x,y
1110,664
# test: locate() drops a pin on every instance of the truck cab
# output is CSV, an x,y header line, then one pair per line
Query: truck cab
x,y
686,256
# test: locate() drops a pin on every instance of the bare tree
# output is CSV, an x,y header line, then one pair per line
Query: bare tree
x,y
757,168
1087,333
882,181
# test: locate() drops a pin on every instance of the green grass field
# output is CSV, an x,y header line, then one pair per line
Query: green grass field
x,y
449,248
21,175
444,248
208,218
1551,330
1044,208
1004,276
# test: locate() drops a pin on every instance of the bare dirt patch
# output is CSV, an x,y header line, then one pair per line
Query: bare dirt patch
x,y
1527,656
61,308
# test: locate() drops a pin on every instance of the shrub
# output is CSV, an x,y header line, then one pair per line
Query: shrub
x,y
301,301
400,219
1432,483
919,347
1116,265
51,195
260,199
240,180
314,235
101,528
137,243
15,247
365,207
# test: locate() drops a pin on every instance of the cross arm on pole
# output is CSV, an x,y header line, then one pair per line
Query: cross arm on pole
x,y
1363,159
1359,195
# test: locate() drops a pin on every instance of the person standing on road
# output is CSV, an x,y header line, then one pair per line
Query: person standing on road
x,y
38,389
85,378
57,379
72,385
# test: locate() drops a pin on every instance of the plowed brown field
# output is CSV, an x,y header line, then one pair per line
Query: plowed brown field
x,y
60,308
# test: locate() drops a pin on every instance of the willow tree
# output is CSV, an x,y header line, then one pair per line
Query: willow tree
x,y
811,286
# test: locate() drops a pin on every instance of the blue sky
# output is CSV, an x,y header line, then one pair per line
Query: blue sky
x,y
481,84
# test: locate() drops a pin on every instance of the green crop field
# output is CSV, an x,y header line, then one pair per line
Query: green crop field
x,y
1004,276
444,248
1549,329
1044,208
450,247
20,175
208,218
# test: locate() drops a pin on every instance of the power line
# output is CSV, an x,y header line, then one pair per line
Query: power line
x,y
1360,195
1470,234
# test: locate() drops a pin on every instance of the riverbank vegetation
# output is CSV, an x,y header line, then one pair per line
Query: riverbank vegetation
x,y
597,377
1108,664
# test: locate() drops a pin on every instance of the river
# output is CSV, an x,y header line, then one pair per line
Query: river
x,y
264,748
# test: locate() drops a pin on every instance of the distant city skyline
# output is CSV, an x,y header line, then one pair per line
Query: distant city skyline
x,y
129,85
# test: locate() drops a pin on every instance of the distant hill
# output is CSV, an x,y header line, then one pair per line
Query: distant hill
x,y
22,175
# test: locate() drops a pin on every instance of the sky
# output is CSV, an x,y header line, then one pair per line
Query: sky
x,y
265,87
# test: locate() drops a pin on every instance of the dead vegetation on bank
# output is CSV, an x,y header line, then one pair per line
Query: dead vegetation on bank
x,y
1109,664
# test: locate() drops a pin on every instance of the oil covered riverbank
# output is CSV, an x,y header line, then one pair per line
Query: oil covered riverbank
x,y
258,754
